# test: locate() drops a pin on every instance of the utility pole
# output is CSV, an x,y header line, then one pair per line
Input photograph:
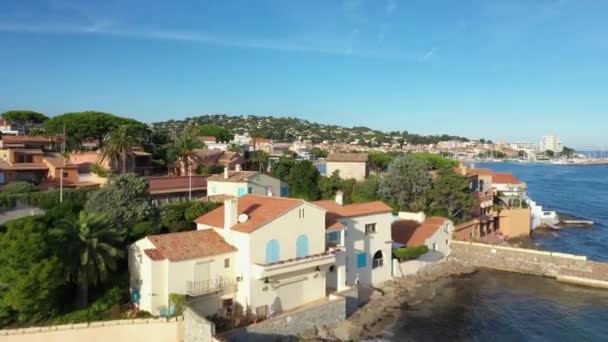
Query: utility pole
x,y
190,183
62,170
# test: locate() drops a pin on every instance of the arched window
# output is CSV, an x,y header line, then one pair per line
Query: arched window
x,y
272,251
377,260
302,246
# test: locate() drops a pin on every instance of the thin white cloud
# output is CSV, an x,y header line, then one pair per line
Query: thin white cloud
x,y
428,55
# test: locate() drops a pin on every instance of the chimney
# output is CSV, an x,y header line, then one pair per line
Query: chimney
x,y
269,191
226,172
238,167
231,213
340,197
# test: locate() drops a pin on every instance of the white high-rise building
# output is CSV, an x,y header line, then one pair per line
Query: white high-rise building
x,y
551,143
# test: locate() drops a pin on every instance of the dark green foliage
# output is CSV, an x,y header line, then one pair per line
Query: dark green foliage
x,y
143,229
81,126
410,253
125,200
257,159
435,161
119,144
282,169
329,185
209,169
32,279
303,181
379,161
24,116
45,200
100,171
407,185
365,190
568,152
97,311
18,187
220,133
451,196
550,153
179,217
318,153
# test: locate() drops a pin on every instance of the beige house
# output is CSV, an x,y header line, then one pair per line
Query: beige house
x,y
238,183
265,254
349,165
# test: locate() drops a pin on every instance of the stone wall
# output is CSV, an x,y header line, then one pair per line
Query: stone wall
x,y
132,330
516,259
290,324
197,328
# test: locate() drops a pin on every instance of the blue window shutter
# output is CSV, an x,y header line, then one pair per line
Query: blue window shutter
x,y
302,246
361,260
272,251
241,192
250,190
334,236
214,190
284,191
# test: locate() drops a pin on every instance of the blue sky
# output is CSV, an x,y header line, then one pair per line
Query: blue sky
x,y
510,69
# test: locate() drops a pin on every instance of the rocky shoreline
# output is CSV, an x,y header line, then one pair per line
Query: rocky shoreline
x,y
386,303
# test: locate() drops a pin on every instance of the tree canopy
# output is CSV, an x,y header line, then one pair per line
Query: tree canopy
x,y
125,200
435,161
408,183
81,126
379,161
303,181
24,116
220,133
451,196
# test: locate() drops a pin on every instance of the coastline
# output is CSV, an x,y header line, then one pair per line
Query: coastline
x,y
384,308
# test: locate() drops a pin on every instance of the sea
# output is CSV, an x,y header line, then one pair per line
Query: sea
x,y
501,306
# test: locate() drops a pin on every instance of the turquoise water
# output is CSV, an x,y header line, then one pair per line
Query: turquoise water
x,y
499,306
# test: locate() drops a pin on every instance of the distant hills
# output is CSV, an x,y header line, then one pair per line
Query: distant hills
x,y
287,129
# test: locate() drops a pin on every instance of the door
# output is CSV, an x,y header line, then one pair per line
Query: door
x,y
202,276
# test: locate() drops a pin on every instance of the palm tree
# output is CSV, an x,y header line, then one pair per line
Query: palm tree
x,y
119,144
93,247
183,151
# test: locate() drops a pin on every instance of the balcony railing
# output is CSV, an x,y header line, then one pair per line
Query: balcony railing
x,y
208,286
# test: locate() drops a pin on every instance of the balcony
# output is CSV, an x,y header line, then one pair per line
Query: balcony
x,y
261,271
209,286
484,195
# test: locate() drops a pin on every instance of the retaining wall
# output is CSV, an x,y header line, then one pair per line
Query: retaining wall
x,y
290,324
517,259
132,330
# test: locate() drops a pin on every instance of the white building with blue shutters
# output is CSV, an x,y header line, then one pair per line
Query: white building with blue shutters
x,y
238,183
361,236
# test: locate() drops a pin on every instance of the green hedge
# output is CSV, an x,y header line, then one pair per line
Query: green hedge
x,y
410,253
45,199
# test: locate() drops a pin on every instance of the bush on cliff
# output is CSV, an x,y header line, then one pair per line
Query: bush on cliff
x,y
410,253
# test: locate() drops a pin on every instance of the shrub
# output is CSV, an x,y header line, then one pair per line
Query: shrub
x,y
18,187
410,253
179,303
100,171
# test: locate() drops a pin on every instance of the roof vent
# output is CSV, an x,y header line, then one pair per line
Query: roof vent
x,y
243,218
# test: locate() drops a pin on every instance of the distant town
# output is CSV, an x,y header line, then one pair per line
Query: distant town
x,y
227,227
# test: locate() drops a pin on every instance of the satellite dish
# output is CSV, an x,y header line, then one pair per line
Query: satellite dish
x,y
243,218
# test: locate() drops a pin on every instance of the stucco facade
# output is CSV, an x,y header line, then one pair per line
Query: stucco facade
x,y
347,170
254,183
515,222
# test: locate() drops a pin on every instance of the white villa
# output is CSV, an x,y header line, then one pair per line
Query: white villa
x,y
265,254
238,183
363,231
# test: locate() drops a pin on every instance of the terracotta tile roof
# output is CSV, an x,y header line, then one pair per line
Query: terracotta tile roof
x,y
260,209
347,157
206,139
504,178
413,233
233,176
335,212
169,184
11,139
188,245
480,172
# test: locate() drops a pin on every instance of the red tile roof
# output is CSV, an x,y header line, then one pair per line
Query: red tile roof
x,y
233,176
11,139
504,178
412,233
260,209
188,245
335,211
169,184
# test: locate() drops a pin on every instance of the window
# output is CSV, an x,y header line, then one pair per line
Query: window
x,y
66,174
24,158
272,251
377,262
302,246
370,228
250,190
332,268
284,191
333,237
361,260
227,263
301,213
